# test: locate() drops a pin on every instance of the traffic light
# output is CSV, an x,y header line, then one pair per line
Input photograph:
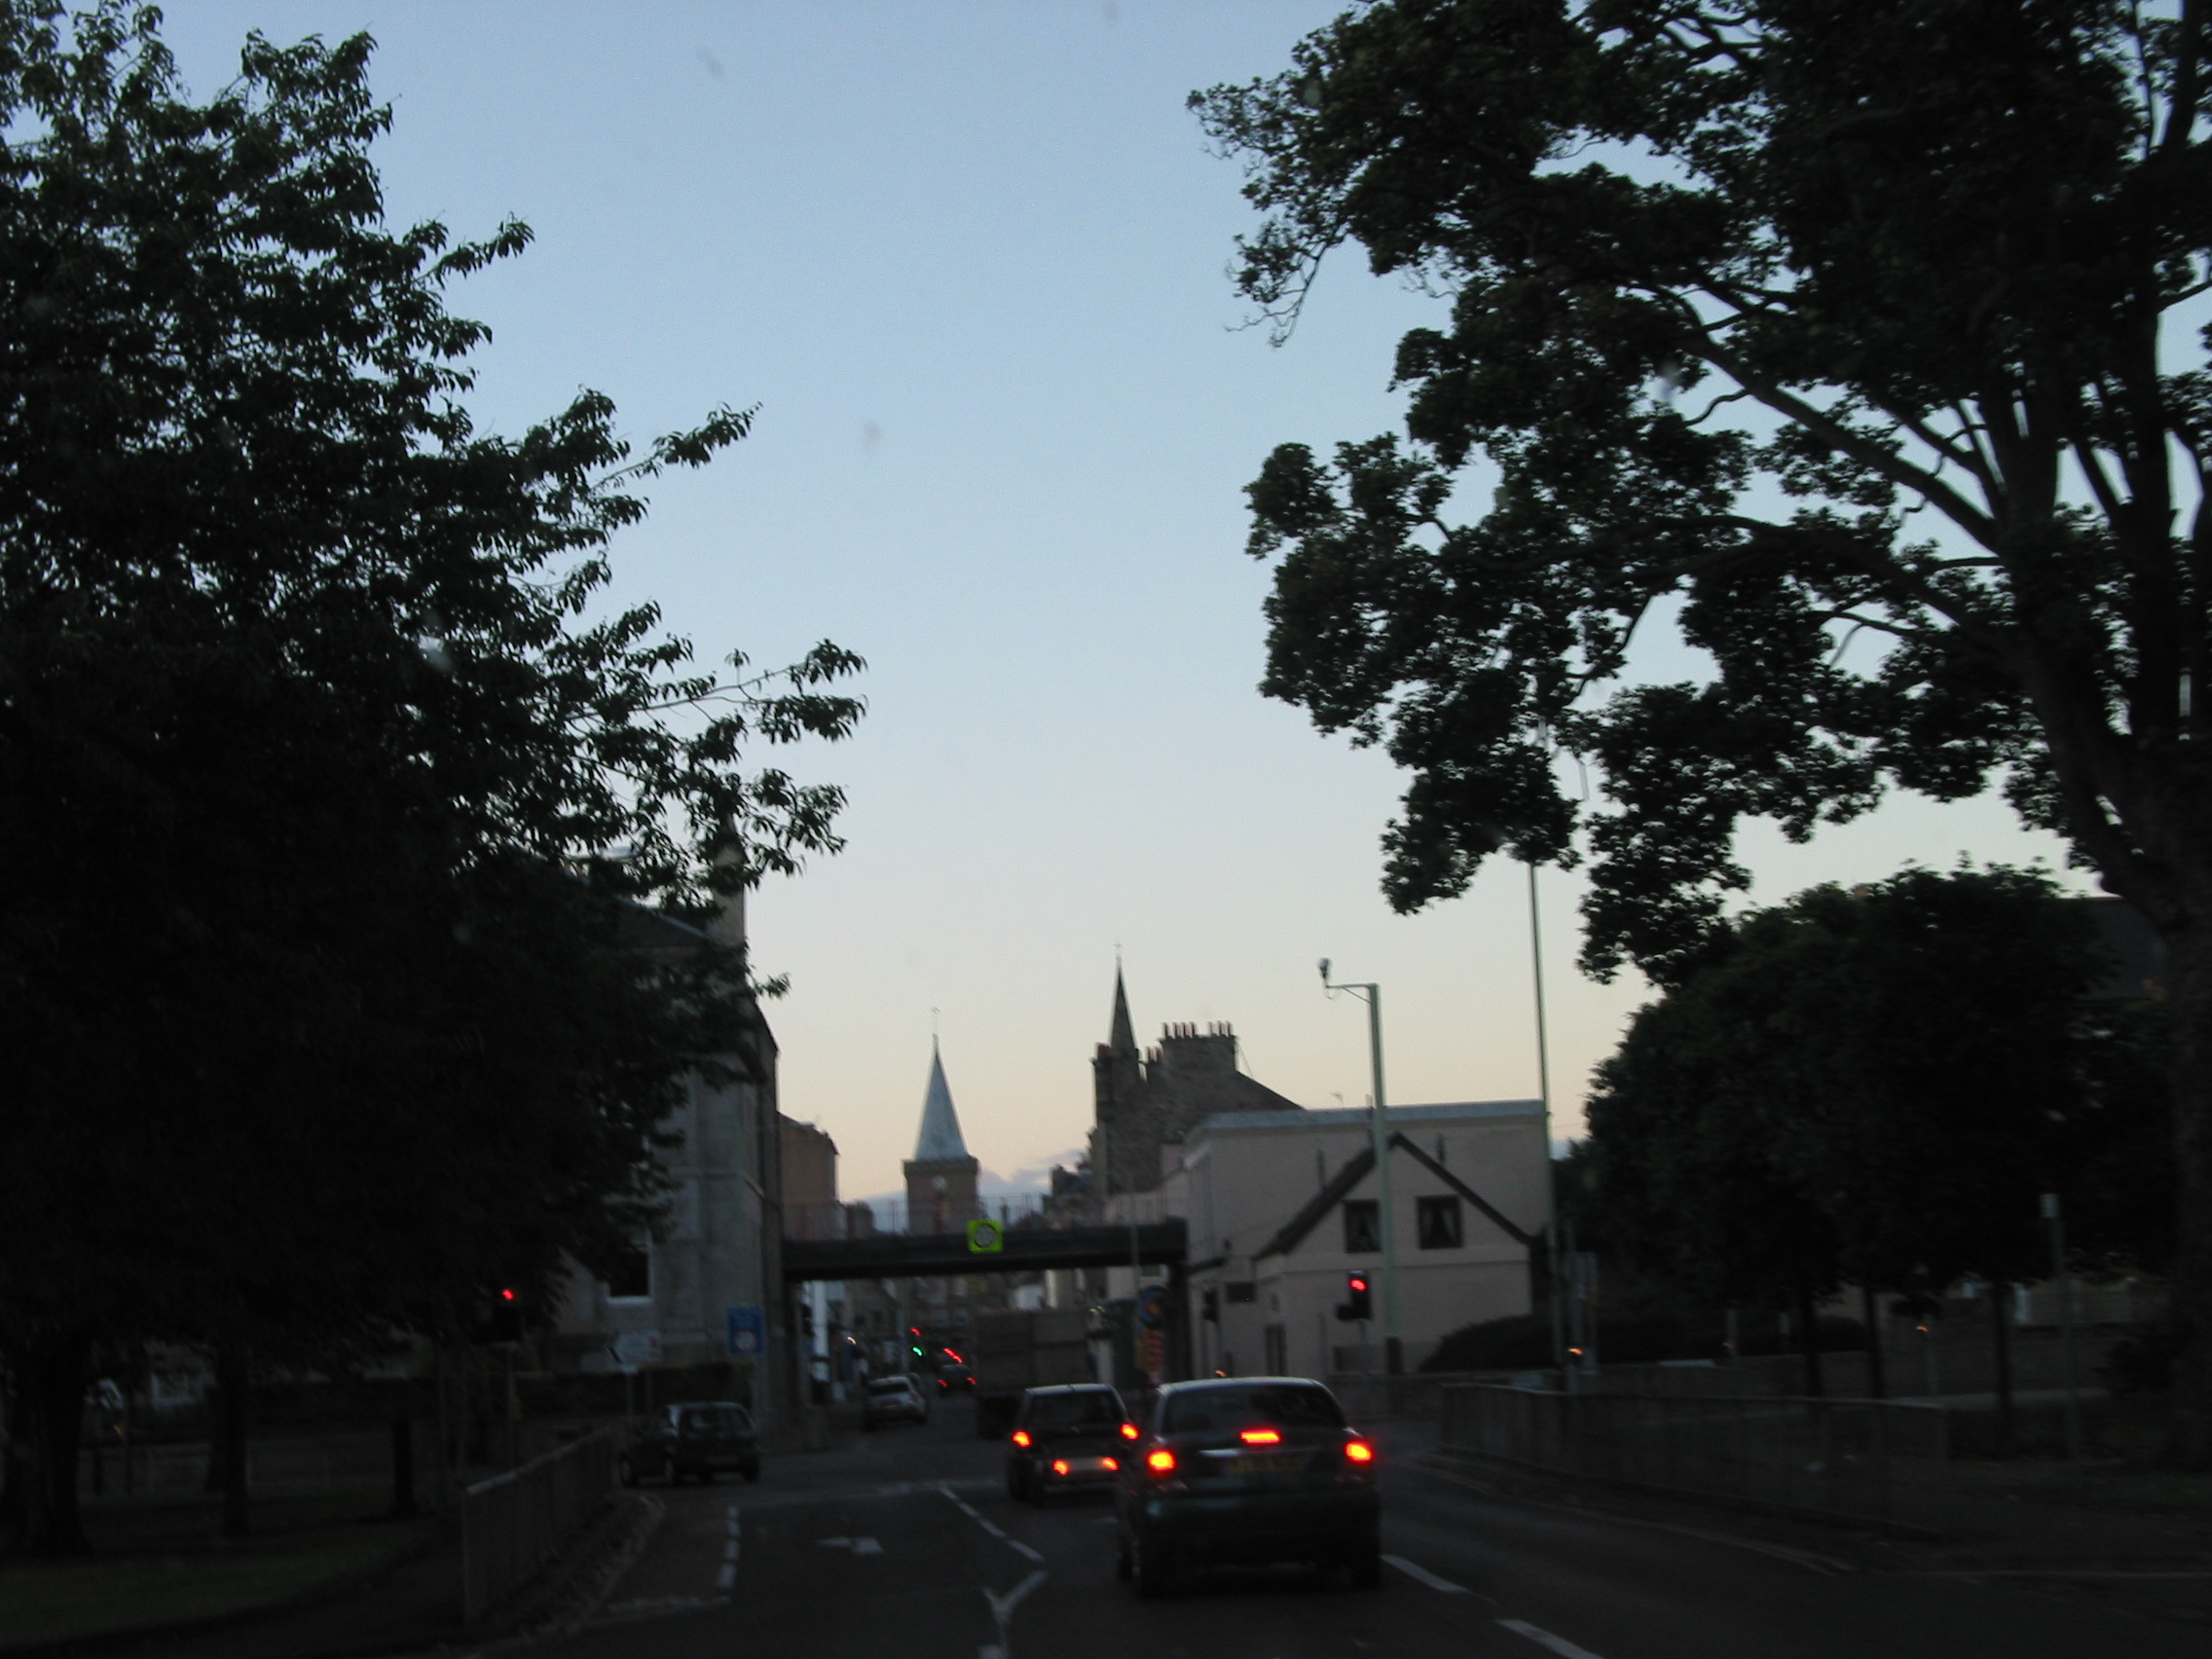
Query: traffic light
x,y
502,1323
1358,1304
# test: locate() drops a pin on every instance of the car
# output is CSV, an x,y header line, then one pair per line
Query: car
x,y
694,1440
1246,1470
893,1399
955,1379
1067,1438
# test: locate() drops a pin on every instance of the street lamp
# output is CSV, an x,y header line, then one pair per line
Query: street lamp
x,y
1372,995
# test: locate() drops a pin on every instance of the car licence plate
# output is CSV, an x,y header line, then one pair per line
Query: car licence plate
x,y
1265,1465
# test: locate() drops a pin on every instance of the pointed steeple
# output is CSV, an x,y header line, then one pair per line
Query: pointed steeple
x,y
940,1125
1124,1037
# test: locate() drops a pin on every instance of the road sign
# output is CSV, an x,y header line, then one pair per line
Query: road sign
x,y
634,1348
985,1238
745,1332
1152,1307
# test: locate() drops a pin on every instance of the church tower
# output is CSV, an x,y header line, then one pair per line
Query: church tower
x,y
1118,1096
941,1176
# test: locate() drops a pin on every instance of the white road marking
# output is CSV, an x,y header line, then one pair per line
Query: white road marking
x,y
733,1520
1002,1606
730,1550
1024,1549
1414,1569
1559,1645
727,1578
836,1543
990,1650
867,1546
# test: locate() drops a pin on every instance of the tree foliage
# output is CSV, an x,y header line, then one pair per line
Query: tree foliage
x,y
1856,343
1876,1087
325,773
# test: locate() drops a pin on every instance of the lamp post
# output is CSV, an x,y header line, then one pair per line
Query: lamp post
x,y
1379,1122
1545,1092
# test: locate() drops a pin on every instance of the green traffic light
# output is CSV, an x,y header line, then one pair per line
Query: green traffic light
x,y
917,1351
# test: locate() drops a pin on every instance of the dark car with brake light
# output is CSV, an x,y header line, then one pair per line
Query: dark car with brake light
x,y
1247,1471
1066,1437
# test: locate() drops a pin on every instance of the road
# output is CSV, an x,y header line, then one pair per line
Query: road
x,y
906,1546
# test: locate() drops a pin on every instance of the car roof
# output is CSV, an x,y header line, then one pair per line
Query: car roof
x,y
1200,1383
1072,1388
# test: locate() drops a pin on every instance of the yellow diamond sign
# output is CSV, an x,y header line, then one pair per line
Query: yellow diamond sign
x,y
985,1238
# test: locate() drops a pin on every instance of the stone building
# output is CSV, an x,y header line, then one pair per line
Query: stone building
x,y
941,1176
811,1209
1146,1104
711,1273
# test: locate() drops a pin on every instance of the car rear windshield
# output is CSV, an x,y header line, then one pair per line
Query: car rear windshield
x,y
887,1385
714,1420
1088,1410
1268,1405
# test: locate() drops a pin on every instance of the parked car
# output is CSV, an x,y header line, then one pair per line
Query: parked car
x,y
693,1441
1249,1470
1066,1438
893,1399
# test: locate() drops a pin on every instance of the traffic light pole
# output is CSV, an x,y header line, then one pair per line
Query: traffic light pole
x,y
1379,1123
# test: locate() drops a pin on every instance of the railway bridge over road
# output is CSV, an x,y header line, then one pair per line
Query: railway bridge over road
x,y
1024,1250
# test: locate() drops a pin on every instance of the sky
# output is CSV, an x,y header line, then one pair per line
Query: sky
x,y
969,261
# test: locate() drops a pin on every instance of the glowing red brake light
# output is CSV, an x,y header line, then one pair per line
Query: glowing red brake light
x,y
1160,1460
1128,1431
1110,1463
1260,1437
1358,1452
1059,1466
1021,1437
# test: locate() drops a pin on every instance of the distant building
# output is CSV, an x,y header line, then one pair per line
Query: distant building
x,y
1145,1105
941,1176
811,1209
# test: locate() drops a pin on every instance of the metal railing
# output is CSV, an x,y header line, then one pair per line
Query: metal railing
x,y
1877,1459
512,1525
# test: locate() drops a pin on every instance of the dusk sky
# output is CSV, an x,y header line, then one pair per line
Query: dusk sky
x,y
968,259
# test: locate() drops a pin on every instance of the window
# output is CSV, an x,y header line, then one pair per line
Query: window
x,y
1363,1225
630,1276
1220,1406
1437,1220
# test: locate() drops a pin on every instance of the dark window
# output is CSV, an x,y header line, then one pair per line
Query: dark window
x,y
1248,1404
1438,1222
631,1275
1363,1225
1240,1290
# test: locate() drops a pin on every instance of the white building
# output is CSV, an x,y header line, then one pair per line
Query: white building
x,y
1283,1205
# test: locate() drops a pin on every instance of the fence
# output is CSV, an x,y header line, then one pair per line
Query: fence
x,y
1871,1459
513,1524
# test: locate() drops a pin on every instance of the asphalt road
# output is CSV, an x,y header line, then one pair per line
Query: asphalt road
x,y
906,1546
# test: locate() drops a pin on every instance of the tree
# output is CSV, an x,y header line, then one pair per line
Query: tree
x,y
1842,338
1901,1069
325,781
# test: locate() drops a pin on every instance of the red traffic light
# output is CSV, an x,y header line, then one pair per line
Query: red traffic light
x,y
1358,1282
506,1296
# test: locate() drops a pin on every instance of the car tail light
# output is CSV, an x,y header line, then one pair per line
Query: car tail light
x,y
1059,1466
1128,1431
1160,1460
1358,1452
1021,1437
1261,1436
1112,1466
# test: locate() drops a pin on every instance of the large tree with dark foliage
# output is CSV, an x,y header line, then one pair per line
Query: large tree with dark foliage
x,y
1876,1087
1853,341
323,777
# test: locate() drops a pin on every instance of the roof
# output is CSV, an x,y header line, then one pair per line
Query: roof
x,y
1309,1214
1361,1116
1122,1037
941,1126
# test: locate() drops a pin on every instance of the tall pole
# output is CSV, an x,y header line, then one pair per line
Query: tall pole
x,y
1379,1123
1544,1096
2060,1271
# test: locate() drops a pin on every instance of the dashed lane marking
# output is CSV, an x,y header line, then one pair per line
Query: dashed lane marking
x,y
1559,1645
1414,1569
727,1579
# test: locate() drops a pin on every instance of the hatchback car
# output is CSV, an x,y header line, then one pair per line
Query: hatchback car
x,y
893,1399
1248,1470
1066,1439
697,1440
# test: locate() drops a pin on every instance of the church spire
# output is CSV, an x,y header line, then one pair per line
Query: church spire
x,y
940,1125
1125,1038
